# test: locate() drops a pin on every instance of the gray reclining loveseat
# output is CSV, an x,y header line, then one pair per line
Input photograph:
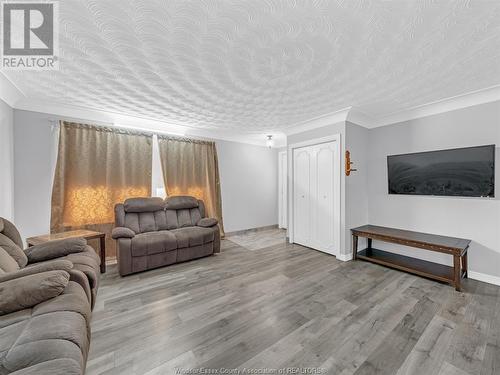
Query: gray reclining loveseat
x,y
46,294
152,232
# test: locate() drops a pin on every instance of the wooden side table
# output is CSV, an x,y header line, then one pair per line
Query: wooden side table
x,y
87,234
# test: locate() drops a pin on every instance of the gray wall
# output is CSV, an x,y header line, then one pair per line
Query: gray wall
x,y
248,173
474,218
249,184
6,161
35,144
356,194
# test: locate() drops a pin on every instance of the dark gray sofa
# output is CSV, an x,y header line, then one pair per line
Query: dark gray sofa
x,y
152,232
46,295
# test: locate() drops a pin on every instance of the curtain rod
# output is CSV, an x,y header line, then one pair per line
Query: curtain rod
x,y
107,128
126,130
184,139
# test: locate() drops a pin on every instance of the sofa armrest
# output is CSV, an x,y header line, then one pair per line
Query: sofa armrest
x,y
122,232
28,291
207,222
52,265
55,249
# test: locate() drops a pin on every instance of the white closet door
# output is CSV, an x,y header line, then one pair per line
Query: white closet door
x,y
323,197
282,182
313,183
302,158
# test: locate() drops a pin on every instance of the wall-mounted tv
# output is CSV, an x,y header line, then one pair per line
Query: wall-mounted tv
x,y
465,172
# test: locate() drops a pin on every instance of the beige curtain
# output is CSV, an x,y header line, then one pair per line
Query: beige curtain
x,y
98,167
190,167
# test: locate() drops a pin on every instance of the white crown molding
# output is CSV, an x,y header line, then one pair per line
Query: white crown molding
x,y
485,278
360,118
59,111
487,95
9,93
354,115
320,121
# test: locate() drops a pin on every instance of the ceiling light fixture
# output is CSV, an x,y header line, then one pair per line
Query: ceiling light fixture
x,y
270,141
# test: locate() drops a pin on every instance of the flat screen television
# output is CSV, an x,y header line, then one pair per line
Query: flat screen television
x,y
464,172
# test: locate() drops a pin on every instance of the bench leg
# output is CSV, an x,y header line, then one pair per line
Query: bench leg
x,y
354,247
457,272
102,250
464,265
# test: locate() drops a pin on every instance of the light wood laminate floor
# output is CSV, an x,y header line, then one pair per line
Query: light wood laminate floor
x,y
255,240
287,306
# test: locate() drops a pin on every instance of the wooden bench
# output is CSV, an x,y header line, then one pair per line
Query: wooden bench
x,y
456,247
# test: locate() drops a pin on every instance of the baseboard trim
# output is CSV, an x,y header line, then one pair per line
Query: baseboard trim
x,y
245,231
485,278
344,257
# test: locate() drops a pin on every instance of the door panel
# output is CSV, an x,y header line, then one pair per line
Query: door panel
x,y
302,190
313,196
324,197
283,191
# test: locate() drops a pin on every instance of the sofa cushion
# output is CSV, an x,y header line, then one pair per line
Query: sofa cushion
x,y
153,243
184,218
195,215
13,250
36,352
25,292
55,249
193,236
73,299
161,220
144,204
147,222
31,269
12,326
171,216
11,231
7,263
64,325
181,202
207,222
87,262
122,232
194,252
51,338
63,366
47,337
142,222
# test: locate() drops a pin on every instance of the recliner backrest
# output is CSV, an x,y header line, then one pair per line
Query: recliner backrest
x,y
8,229
12,257
144,215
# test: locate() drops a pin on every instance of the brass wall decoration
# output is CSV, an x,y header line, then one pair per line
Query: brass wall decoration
x,y
348,163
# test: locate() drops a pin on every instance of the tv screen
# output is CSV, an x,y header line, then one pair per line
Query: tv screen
x,y
466,172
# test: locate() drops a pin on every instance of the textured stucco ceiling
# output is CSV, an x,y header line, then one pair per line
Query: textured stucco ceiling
x,y
254,66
